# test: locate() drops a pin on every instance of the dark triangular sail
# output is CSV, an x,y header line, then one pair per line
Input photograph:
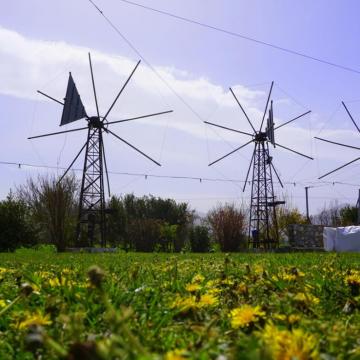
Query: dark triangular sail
x,y
73,106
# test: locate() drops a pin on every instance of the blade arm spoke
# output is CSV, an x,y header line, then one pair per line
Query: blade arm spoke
x,y
288,122
93,84
242,109
336,143
140,117
133,147
352,119
73,162
267,104
226,128
56,133
121,90
248,172
277,175
231,152
50,97
296,152
340,167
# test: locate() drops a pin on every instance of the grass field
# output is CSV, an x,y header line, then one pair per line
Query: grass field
x,y
154,306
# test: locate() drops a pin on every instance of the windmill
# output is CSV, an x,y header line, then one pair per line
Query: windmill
x,y
263,231
344,145
91,211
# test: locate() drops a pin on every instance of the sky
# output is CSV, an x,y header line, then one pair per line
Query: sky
x,y
41,42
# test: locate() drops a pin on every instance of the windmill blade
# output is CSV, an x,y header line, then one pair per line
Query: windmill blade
x,y
73,107
336,143
252,126
57,133
121,90
267,104
352,119
140,117
50,97
248,172
132,146
330,172
93,84
73,162
296,152
226,128
277,175
288,122
223,157
106,168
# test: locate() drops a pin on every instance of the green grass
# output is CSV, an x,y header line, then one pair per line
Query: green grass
x,y
154,306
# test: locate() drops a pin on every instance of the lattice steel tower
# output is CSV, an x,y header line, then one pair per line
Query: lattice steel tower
x,y
263,228
91,224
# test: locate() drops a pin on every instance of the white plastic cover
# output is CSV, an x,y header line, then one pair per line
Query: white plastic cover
x,y
347,238
329,236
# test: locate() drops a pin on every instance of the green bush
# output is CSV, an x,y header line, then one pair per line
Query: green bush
x,y
16,229
199,237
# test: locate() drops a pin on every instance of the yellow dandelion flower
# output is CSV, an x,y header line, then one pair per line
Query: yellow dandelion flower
x,y
288,345
293,319
34,319
245,315
242,288
289,277
176,354
212,283
198,278
208,300
280,317
192,287
54,282
184,304
2,303
353,279
306,298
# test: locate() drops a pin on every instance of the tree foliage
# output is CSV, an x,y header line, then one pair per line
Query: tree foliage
x,y
52,207
147,223
229,224
16,228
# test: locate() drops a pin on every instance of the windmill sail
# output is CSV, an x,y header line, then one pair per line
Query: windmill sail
x,y
270,126
73,106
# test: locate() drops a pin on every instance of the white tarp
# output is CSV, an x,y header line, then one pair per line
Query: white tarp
x,y
329,236
342,238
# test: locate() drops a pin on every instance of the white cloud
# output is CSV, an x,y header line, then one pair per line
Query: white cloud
x,y
28,64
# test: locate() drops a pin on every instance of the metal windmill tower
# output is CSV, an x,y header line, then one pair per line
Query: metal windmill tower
x,y
344,145
92,210
263,230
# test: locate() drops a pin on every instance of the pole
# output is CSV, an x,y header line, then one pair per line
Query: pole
x,y
307,204
358,209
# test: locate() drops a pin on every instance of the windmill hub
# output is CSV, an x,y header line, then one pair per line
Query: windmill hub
x,y
261,136
95,122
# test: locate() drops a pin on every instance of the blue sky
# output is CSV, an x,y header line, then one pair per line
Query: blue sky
x,y
201,64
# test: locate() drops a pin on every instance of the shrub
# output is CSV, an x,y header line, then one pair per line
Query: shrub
x,y
52,207
199,237
16,228
228,225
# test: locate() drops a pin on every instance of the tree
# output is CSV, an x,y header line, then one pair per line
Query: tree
x,y
348,215
287,216
53,208
16,228
228,225
147,223
199,237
